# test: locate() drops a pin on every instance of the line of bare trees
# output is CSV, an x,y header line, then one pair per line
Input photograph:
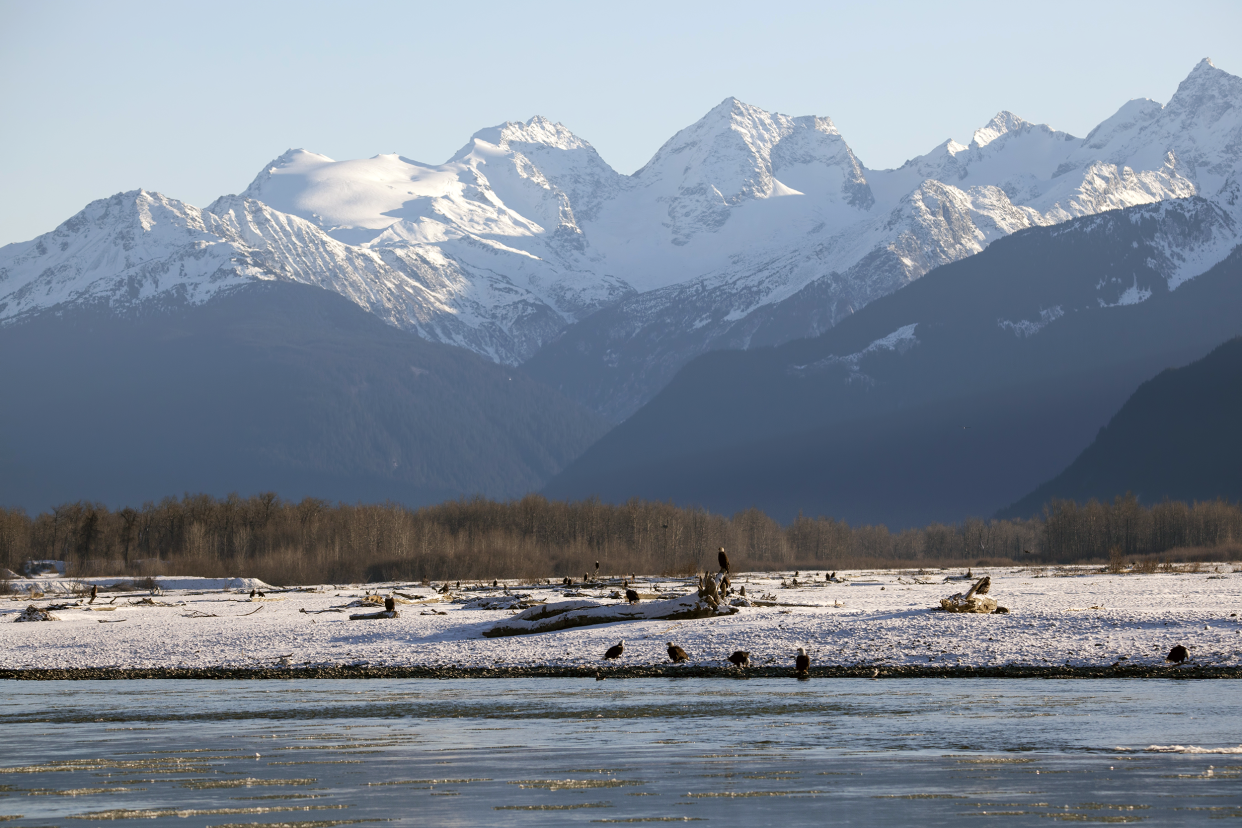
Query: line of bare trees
x,y
312,541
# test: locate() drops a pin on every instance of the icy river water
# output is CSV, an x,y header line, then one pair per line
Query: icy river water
x,y
575,752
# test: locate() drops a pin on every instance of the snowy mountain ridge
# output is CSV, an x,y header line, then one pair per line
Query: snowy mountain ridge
x,y
745,228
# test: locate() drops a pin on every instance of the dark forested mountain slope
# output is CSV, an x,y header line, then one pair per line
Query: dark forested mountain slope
x,y
954,396
273,386
1177,437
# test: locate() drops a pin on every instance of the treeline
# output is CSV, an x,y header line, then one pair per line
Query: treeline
x,y
312,541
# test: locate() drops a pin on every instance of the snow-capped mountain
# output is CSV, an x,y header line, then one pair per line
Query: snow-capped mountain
x,y
745,228
788,267
493,233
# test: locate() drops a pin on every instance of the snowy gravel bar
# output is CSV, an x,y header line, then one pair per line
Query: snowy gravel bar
x,y
1061,621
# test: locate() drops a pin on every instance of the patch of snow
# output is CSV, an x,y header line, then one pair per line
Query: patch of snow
x,y
1029,327
900,341
1132,295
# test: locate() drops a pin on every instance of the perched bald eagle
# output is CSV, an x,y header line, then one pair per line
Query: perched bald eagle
x,y
390,604
94,593
740,658
724,560
495,583
616,650
631,596
1177,655
677,654
597,567
802,661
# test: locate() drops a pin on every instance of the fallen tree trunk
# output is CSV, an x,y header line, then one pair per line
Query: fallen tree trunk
x,y
567,614
374,616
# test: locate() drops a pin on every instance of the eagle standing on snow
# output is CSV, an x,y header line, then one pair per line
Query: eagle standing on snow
x,y
740,658
616,650
631,596
802,661
1177,655
677,654
724,560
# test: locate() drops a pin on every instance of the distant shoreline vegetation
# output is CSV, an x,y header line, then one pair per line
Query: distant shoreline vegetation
x,y
313,541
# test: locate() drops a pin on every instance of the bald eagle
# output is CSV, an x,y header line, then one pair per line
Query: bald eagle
x,y
740,658
631,596
802,661
724,560
94,593
677,654
616,650
1177,655
390,604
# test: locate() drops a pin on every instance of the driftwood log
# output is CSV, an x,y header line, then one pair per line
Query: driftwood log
x,y
972,601
374,616
568,614
33,613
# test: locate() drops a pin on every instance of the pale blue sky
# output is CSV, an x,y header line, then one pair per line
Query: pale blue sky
x,y
192,99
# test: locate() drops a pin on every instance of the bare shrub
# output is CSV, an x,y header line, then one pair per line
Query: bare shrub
x,y
1116,560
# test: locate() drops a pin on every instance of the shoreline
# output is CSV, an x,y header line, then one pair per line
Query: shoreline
x,y
647,671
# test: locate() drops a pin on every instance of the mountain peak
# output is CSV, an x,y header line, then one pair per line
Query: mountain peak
x,y
538,131
1204,77
1004,121
1207,92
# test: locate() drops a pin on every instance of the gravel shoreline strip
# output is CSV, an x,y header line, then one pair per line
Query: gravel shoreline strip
x,y
651,671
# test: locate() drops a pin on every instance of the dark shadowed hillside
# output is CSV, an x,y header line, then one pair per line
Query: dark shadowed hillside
x,y
279,387
1178,437
952,397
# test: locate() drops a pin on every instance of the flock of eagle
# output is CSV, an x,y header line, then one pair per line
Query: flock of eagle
x,y
802,661
739,658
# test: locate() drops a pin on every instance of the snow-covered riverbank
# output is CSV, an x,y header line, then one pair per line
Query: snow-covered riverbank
x,y
1080,617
